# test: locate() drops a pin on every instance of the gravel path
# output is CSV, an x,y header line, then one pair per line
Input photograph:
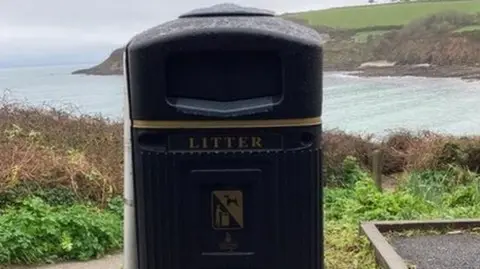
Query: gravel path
x,y
455,251
109,262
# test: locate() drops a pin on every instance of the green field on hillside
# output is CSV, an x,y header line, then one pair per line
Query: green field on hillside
x,y
383,14
362,37
468,29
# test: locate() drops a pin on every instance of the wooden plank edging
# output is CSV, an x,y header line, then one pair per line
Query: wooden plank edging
x,y
398,226
385,254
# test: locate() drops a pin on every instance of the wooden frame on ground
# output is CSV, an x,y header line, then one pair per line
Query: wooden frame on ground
x,y
385,255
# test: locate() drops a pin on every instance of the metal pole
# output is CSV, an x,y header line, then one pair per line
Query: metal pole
x,y
129,233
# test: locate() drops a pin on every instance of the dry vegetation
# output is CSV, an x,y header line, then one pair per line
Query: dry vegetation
x,y
54,148
432,39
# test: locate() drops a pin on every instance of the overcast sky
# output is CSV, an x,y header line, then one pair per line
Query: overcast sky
x,y
63,31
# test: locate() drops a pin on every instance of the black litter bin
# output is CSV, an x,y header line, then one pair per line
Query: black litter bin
x,y
225,106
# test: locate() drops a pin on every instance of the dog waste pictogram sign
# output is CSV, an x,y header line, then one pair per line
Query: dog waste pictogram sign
x,y
227,210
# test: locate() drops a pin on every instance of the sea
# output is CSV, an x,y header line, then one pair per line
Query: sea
x,y
361,105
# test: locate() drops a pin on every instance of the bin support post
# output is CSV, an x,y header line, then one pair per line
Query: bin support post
x,y
129,228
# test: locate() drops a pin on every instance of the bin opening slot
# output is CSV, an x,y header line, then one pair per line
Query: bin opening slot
x,y
224,76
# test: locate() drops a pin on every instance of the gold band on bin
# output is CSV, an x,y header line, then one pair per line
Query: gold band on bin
x,y
211,124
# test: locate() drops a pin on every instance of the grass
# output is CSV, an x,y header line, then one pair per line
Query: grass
x,y
383,14
61,183
443,33
362,37
416,232
470,28
361,201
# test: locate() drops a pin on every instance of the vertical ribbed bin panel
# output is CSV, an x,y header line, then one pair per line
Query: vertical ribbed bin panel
x,y
286,197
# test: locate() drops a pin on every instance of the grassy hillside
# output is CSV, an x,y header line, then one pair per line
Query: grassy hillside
x,y
398,14
440,33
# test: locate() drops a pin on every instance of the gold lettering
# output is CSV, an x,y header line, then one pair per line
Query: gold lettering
x,y
225,142
192,144
216,142
257,142
229,142
242,142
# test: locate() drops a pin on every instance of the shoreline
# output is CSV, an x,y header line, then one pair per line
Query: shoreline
x,y
467,73
370,69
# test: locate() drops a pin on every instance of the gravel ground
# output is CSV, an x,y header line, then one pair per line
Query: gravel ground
x,y
109,262
455,251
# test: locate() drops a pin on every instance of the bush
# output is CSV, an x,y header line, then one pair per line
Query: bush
x,y
437,23
453,193
60,195
471,35
379,28
52,148
338,146
403,151
432,39
80,158
35,232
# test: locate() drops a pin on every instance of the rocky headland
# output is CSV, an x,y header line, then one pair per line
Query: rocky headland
x,y
113,65
438,45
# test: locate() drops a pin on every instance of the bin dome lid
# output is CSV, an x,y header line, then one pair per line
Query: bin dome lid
x,y
227,9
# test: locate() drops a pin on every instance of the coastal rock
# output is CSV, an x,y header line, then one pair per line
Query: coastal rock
x,y
464,72
377,64
113,65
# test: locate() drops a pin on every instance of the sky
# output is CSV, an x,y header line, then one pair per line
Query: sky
x,y
36,32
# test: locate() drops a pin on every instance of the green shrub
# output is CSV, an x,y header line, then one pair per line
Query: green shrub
x,y
446,194
464,196
379,28
438,22
428,185
58,195
115,205
349,174
424,194
35,232
367,203
352,173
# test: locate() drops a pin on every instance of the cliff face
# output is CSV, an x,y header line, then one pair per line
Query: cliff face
x,y
438,51
113,65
